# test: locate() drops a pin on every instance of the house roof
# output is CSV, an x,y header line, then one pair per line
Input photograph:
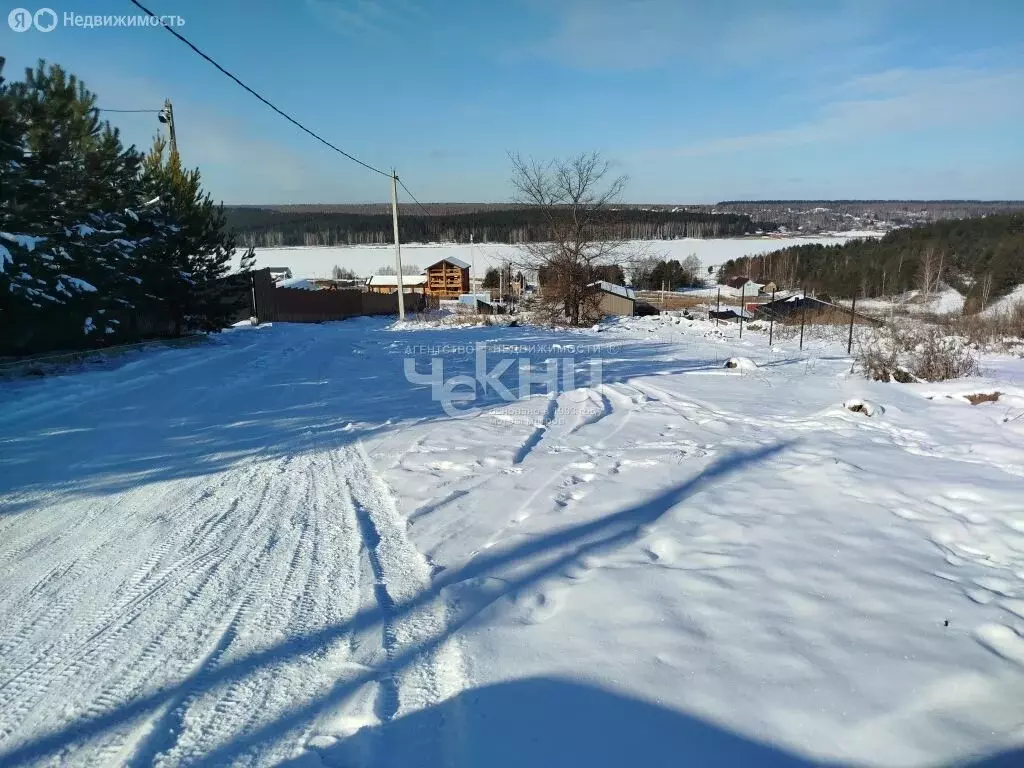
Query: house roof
x,y
732,312
279,269
618,290
393,280
299,283
451,260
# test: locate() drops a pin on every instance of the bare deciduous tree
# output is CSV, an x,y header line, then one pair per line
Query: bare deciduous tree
x,y
343,273
986,290
407,269
575,197
928,270
691,268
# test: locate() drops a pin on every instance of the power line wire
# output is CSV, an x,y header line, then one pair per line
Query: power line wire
x,y
286,116
104,109
410,194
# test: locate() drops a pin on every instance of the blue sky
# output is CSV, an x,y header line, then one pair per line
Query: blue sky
x,y
695,101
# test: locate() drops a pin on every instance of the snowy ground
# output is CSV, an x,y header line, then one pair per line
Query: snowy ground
x,y
274,549
365,260
947,301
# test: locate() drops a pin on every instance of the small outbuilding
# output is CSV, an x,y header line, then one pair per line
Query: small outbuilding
x,y
389,284
614,299
277,274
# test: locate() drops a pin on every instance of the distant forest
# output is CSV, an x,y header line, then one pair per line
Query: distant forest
x,y
981,257
811,216
271,227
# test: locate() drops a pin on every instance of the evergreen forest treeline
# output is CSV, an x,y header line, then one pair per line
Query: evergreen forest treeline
x,y
981,257
268,228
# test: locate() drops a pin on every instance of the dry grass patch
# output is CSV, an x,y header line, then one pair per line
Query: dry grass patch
x,y
978,399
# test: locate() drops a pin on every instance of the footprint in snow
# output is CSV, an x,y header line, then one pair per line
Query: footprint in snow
x,y
662,551
536,607
583,568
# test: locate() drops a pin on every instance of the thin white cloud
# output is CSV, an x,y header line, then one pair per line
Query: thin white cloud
x,y
359,17
641,34
898,101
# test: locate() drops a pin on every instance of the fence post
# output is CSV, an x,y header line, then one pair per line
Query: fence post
x,y
803,318
743,303
771,321
853,309
718,308
255,308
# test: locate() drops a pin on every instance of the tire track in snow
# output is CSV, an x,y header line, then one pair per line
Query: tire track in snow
x,y
161,734
403,573
537,435
144,619
73,657
236,567
309,580
141,588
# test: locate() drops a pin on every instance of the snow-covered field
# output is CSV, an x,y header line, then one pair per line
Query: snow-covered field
x,y
365,260
275,549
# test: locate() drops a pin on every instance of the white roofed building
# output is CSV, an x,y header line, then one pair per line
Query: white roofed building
x,y
389,284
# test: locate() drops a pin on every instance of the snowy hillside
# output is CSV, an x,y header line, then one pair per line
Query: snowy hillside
x,y
279,549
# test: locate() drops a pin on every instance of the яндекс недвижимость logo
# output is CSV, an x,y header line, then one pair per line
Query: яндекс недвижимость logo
x,y
22,19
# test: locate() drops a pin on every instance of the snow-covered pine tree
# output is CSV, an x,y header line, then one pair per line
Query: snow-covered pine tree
x,y
26,259
65,198
200,247
248,260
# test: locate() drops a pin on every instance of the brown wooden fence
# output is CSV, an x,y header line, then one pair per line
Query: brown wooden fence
x,y
293,305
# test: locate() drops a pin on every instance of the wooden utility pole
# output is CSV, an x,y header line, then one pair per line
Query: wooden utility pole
x,y
398,245
771,321
803,318
853,314
718,308
743,307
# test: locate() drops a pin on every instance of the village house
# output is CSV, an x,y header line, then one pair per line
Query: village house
x,y
745,285
447,278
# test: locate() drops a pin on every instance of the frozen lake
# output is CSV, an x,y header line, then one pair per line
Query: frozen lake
x,y
365,260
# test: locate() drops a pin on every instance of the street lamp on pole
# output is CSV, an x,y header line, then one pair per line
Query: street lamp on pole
x,y
166,116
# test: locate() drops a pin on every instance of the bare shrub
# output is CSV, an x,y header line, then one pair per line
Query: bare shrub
x,y
1000,330
910,353
940,356
880,356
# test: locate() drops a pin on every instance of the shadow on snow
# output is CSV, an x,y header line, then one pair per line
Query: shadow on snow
x,y
541,558
302,388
